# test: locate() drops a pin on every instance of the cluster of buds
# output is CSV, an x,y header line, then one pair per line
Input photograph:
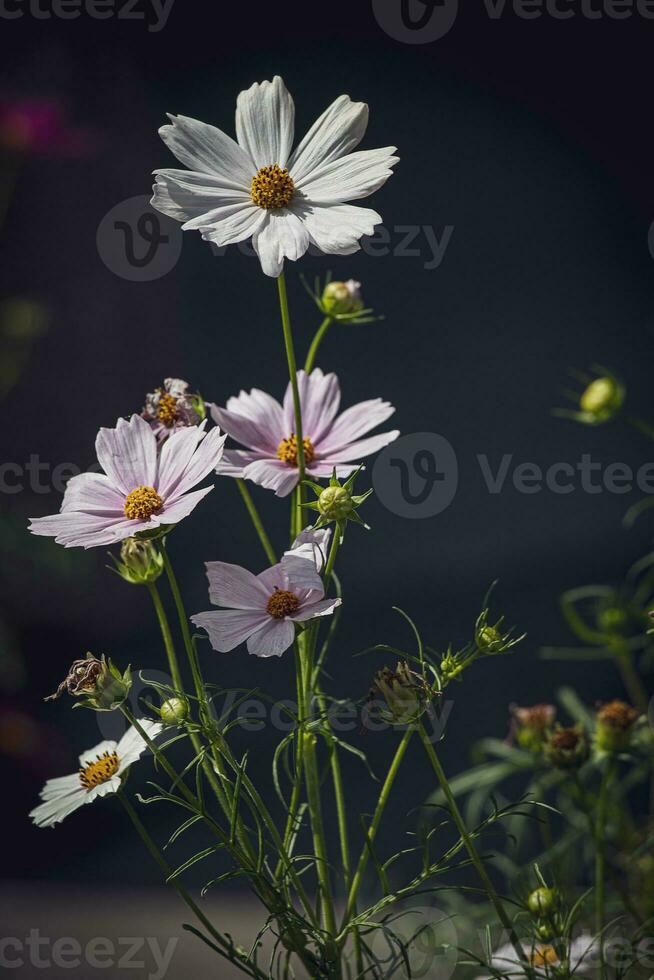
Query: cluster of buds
x,y
140,563
98,684
173,407
336,502
544,905
600,400
615,724
531,726
567,748
398,697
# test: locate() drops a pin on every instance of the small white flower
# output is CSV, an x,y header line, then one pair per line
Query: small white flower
x,y
100,772
545,959
257,188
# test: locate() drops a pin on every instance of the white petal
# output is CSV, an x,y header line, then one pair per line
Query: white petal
x,y
271,641
132,745
182,194
92,754
205,148
337,228
282,236
55,810
228,225
350,178
265,122
336,132
128,454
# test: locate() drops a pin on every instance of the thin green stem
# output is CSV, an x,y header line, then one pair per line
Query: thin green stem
x,y
152,847
472,850
167,637
630,678
256,520
297,407
316,342
315,809
600,861
374,827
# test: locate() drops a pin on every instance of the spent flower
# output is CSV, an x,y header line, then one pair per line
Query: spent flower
x,y
173,407
98,683
530,725
615,723
398,696
567,748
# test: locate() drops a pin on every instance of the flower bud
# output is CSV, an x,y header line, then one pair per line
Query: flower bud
x,y
615,722
488,638
141,562
342,297
602,398
530,726
335,503
98,683
567,748
174,711
613,619
543,903
400,693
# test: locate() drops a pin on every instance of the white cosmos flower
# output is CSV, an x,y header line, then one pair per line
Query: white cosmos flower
x,y
100,772
259,188
545,960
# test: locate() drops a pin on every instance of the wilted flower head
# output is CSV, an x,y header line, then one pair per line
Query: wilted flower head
x,y
172,407
530,725
567,748
615,723
98,683
397,696
258,187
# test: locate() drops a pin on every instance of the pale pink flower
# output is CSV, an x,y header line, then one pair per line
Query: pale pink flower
x,y
263,609
258,421
141,489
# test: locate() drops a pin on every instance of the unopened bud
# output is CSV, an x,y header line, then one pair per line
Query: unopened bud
x,y
543,902
342,297
602,398
615,722
567,748
174,711
141,562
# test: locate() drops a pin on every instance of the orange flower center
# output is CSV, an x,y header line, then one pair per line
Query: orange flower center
x,y
272,187
282,603
142,503
287,450
167,410
544,956
99,771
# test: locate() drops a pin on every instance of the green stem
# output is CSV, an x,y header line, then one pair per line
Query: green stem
x,y
257,522
374,827
472,850
315,344
181,891
630,678
167,636
297,407
600,861
315,809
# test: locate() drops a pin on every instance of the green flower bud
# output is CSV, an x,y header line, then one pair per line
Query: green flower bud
x,y
546,932
567,748
543,903
602,398
335,503
613,619
401,694
342,297
615,723
488,637
530,726
98,684
174,711
141,562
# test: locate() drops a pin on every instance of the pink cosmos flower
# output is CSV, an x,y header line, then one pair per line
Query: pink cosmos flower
x,y
330,440
42,126
263,609
142,490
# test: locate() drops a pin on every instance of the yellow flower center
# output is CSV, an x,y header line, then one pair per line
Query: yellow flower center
x,y
167,410
142,503
282,603
272,187
544,956
99,771
287,450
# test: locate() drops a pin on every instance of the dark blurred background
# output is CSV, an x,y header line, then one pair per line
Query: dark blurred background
x,y
532,140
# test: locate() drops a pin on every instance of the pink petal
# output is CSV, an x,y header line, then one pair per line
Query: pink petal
x,y
301,572
262,429
321,470
273,578
365,447
272,639
175,456
204,460
354,422
128,454
228,628
324,607
235,587
93,493
272,474
234,461
78,530
180,508
320,397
